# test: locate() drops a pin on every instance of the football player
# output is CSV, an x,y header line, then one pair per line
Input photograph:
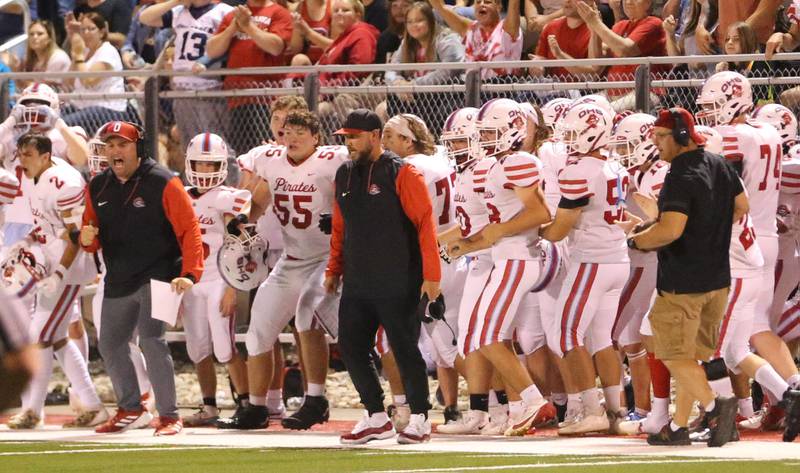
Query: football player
x,y
267,225
56,200
209,316
514,201
300,183
593,190
37,110
756,150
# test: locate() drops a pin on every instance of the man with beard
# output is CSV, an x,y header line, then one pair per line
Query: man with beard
x,y
384,252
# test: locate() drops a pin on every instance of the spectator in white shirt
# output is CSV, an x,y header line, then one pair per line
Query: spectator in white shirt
x,y
42,53
91,52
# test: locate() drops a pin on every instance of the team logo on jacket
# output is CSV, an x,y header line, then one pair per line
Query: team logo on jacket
x,y
138,202
374,189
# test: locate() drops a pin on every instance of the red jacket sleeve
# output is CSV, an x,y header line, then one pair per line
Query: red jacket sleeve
x,y
335,265
417,205
179,211
90,217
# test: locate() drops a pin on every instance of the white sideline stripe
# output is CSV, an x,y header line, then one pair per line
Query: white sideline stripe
x,y
557,465
168,448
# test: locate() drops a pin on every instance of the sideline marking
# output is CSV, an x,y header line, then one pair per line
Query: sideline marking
x,y
557,465
136,449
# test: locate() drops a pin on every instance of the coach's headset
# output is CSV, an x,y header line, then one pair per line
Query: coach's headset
x,y
680,131
141,149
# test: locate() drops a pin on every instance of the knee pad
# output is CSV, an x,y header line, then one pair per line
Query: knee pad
x,y
715,369
734,354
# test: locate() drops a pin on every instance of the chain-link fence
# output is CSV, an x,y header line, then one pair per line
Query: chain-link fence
x,y
237,104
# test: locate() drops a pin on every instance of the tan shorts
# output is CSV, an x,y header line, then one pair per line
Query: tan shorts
x,y
686,326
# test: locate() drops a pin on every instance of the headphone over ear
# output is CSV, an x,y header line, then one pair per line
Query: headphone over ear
x,y
141,149
680,132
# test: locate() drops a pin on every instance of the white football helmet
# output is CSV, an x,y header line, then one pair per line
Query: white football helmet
x,y
97,161
242,260
554,110
550,263
506,119
206,148
25,266
585,128
629,133
459,126
781,118
713,138
41,93
724,96
598,100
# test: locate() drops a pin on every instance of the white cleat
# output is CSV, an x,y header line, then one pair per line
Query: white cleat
x,y
418,430
25,420
532,415
586,424
86,419
471,423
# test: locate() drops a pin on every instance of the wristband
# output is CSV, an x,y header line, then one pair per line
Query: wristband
x,y
60,271
190,277
632,244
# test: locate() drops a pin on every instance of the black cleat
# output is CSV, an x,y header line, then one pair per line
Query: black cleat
x,y
721,421
791,401
313,411
246,418
451,414
669,437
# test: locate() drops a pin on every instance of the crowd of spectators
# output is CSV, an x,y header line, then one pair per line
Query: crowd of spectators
x,y
116,35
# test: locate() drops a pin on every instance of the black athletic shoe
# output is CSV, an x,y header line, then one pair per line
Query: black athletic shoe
x,y
246,418
451,414
669,437
791,402
313,411
721,421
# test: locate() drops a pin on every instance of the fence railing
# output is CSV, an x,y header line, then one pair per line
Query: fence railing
x,y
241,111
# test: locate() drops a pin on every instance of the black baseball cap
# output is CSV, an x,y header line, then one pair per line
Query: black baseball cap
x,y
360,120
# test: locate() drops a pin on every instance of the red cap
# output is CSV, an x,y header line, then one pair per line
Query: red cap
x,y
125,130
666,119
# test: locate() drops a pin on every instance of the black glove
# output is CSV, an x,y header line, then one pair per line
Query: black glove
x,y
326,223
233,225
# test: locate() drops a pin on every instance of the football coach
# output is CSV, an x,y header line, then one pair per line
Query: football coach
x,y
384,251
701,198
140,216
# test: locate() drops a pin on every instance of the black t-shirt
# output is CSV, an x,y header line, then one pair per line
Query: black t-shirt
x,y
377,14
118,14
388,42
702,186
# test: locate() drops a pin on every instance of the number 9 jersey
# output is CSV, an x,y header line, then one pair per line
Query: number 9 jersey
x,y
300,193
602,185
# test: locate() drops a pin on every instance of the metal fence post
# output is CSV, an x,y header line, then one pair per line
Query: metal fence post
x,y
151,116
642,88
472,94
311,91
4,99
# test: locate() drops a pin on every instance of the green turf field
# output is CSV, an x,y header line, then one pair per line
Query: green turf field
x,y
21,457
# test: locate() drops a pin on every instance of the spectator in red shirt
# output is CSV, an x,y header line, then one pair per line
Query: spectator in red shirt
x,y
564,38
356,44
639,36
312,29
254,35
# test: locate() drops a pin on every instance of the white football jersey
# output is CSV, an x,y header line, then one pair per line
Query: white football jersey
x,y
471,212
267,225
553,155
19,211
789,206
211,207
596,238
439,178
758,147
191,36
300,193
745,255
518,169
653,180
